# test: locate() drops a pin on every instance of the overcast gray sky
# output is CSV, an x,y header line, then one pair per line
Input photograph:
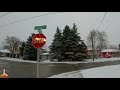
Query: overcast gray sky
x,y
85,22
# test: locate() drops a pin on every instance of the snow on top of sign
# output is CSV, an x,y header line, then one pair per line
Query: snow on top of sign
x,y
110,50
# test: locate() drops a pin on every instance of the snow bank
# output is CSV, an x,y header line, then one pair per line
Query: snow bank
x,y
103,59
76,62
17,60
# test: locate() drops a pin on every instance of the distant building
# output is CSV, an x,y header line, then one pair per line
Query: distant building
x,y
90,53
4,53
108,53
45,56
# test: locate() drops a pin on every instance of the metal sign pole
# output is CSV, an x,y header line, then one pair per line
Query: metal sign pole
x,y
38,57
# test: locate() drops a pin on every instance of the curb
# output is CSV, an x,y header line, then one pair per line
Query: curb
x,y
68,75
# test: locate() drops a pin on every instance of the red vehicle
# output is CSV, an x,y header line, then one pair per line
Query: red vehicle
x,y
108,55
105,55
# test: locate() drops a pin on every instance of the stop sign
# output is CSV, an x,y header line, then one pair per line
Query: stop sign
x,y
38,40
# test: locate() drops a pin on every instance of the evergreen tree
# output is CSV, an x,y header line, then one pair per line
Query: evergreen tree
x,y
30,53
56,45
66,42
74,48
81,47
68,45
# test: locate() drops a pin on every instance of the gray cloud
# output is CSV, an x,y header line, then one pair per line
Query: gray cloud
x,y
85,22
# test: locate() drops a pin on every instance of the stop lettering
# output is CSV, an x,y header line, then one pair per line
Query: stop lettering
x,y
38,40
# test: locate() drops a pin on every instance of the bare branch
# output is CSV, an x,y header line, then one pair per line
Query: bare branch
x,y
11,43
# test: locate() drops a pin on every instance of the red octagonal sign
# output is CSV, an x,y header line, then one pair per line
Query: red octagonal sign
x,y
38,40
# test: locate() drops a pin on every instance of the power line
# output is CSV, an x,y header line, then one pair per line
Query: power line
x,y
5,14
102,20
27,19
108,26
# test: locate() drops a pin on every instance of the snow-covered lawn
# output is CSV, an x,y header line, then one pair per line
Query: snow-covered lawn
x,y
17,60
100,72
103,59
68,62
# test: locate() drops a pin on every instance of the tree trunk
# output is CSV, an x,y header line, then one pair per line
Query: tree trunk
x,y
92,46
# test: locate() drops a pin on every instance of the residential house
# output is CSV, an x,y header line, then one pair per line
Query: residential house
x,y
45,56
107,53
90,53
4,53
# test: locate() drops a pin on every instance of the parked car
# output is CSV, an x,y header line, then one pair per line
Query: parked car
x,y
108,56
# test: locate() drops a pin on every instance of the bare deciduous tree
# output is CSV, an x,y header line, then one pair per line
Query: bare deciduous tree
x,y
97,40
91,41
11,43
92,37
102,40
113,47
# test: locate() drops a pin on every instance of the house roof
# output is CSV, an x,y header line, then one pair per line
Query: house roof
x,y
45,54
4,51
110,50
90,49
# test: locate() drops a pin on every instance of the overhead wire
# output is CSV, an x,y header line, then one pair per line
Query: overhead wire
x,y
5,14
108,26
102,21
28,18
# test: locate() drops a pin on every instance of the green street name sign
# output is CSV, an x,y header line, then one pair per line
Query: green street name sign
x,y
40,27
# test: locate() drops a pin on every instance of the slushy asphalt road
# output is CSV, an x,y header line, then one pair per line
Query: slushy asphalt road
x,y
28,70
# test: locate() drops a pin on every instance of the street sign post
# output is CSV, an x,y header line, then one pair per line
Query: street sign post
x,y
38,41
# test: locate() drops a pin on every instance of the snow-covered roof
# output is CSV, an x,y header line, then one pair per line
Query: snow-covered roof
x,y
110,50
45,53
4,51
91,49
